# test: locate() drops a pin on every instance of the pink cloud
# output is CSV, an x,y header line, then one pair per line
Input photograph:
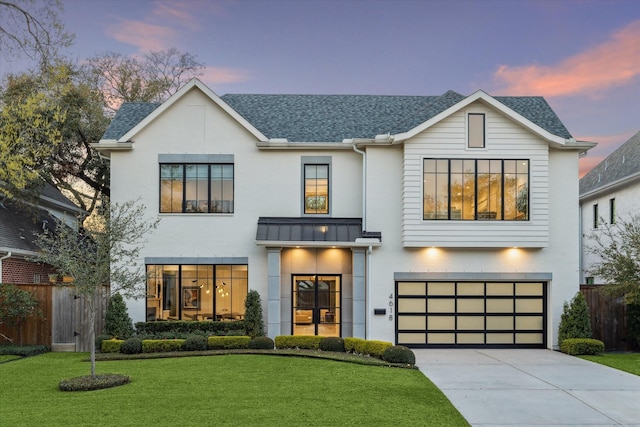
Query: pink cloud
x,y
177,13
607,144
221,75
142,35
614,62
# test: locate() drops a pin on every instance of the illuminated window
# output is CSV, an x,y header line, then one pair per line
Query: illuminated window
x,y
316,189
196,188
476,189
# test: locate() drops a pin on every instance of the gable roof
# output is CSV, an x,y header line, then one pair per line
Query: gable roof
x,y
335,118
620,167
19,226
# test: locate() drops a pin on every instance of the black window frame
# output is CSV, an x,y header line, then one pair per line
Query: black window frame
x,y
185,206
596,221
612,210
469,133
305,209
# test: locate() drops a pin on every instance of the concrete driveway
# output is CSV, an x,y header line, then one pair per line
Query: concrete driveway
x,y
532,388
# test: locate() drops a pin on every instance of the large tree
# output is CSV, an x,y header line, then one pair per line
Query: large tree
x,y
32,28
617,249
153,77
107,252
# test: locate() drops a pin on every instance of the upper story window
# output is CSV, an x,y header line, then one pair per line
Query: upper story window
x,y
316,184
475,130
476,189
196,188
612,211
595,216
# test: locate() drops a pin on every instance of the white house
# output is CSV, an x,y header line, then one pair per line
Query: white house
x,y
608,193
422,220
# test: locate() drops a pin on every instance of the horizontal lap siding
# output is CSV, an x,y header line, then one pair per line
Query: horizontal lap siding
x,y
505,140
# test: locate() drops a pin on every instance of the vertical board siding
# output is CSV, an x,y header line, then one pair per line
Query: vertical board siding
x,y
62,315
505,140
608,319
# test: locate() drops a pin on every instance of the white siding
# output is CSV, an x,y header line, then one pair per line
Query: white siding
x,y
504,140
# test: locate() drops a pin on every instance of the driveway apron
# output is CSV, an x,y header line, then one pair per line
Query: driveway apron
x,y
532,388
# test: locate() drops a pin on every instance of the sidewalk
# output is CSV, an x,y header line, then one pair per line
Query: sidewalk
x,y
532,388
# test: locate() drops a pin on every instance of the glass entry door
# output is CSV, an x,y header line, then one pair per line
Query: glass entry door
x,y
316,305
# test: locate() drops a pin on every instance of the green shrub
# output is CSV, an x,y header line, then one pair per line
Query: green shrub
x,y
310,342
97,382
195,343
633,325
574,320
185,328
101,338
111,346
332,344
376,348
354,345
577,346
117,322
253,315
162,346
131,346
399,354
228,342
23,350
261,343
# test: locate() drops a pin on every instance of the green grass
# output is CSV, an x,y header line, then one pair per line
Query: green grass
x,y
8,357
228,390
629,362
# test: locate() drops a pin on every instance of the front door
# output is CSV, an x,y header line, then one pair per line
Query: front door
x,y
316,305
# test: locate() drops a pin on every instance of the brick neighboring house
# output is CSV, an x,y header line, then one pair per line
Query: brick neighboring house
x,y
18,226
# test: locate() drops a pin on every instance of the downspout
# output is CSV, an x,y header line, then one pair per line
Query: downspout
x,y
367,279
7,256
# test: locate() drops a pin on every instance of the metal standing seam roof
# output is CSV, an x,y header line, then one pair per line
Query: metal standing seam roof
x,y
305,229
622,163
333,118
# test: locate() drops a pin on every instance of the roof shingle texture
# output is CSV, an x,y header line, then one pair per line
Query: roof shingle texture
x,y
333,118
622,163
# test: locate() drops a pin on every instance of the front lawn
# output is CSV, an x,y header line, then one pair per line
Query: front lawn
x,y
243,390
629,362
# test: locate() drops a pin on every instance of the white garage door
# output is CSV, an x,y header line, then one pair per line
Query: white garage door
x,y
471,314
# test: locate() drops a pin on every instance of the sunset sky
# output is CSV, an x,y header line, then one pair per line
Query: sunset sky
x,y
582,56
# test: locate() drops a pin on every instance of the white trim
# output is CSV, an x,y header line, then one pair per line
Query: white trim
x,y
193,83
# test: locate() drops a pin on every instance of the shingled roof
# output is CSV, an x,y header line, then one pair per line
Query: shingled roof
x,y
333,118
622,164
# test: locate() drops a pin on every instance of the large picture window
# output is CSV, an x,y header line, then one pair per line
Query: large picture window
x,y
196,292
196,188
316,189
475,189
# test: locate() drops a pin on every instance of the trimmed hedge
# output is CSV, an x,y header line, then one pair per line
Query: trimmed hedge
x,y
332,344
111,346
195,343
131,346
399,354
311,342
261,343
97,382
235,327
578,346
371,347
161,346
228,342
23,350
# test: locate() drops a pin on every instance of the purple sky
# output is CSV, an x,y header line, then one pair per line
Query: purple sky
x,y
582,56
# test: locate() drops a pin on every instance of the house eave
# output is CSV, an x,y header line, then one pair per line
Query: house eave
x,y
271,145
608,188
106,146
359,243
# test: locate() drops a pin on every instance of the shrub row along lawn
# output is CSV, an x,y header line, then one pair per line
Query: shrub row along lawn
x,y
242,390
629,362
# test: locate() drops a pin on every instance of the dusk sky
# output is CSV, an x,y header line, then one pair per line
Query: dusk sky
x,y
582,56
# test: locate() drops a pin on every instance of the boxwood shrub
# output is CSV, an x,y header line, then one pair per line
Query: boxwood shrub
x,y
97,382
399,354
371,347
236,327
131,345
161,346
228,342
576,346
23,350
195,343
111,346
261,343
310,342
332,344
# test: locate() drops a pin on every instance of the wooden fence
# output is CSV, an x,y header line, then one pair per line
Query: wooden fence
x,y
608,318
64,325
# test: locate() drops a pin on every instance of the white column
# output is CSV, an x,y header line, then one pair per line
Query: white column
x,y
273,291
